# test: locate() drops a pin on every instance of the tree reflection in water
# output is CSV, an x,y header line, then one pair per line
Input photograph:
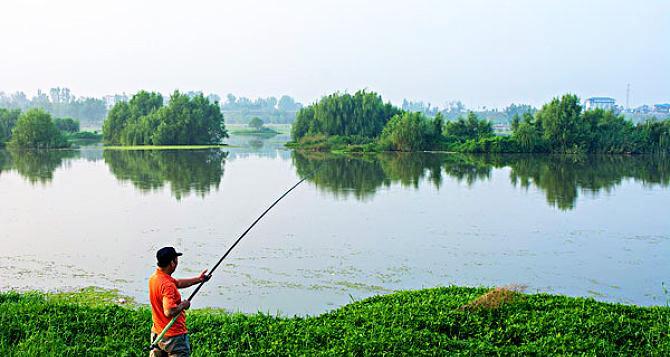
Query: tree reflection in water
x,y
187,171
36,166
561,177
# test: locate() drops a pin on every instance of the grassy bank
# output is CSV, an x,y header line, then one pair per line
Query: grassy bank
x,y
430,321
263,132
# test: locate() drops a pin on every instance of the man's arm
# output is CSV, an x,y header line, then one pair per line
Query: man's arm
x,y
185,283
172,312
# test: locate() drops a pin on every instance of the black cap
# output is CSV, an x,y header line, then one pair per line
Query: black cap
x,y
165,256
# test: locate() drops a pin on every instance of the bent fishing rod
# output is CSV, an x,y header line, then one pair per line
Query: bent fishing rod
x,y
159,338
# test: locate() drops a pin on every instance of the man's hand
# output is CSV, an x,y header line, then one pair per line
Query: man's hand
x,y
204,276
184,305
185,283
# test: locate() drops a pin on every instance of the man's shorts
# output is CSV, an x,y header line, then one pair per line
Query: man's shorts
x,y
174,346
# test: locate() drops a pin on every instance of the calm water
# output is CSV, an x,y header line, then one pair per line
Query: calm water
x,y
362,225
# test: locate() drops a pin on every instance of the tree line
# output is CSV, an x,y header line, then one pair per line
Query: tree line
x,y
59,102
456,109
145,120
242,110
363,122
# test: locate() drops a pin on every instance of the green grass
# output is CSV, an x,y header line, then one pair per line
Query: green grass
x,y
242,129
424,322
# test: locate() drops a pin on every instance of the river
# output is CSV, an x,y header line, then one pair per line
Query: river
x,y
594,226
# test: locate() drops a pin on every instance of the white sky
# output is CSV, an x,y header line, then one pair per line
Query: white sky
x,y
482,52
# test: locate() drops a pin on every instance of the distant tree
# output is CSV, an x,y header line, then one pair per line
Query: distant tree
x,y
256,123
35,129
287,104
471,128
67,125
231,100
214,98
514,110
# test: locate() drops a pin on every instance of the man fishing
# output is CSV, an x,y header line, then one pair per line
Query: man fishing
x,y
166,303
168,334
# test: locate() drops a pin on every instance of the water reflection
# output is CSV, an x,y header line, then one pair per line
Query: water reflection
x,y
187,171
36,166
561,178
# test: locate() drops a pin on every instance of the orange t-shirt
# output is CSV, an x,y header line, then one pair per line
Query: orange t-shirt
x,y
163,295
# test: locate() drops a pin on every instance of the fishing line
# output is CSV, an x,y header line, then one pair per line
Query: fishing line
x,y
167,327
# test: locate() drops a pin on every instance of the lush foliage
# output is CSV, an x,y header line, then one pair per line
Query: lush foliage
x,y
8,120
256,123
35,129
424,322
411,132
186,120
362,114
470,128
67,125
560,126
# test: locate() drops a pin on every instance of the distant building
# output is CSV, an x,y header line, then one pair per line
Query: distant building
x,y
605,103
662,108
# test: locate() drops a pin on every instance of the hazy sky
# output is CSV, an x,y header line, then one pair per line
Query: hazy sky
x,y
482,52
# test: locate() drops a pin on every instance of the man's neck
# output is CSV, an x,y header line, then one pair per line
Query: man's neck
x,y
165,270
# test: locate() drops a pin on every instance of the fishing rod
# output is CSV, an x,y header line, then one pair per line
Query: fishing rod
x,y
159,338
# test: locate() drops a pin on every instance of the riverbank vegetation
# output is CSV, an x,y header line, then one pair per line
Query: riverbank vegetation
x,y
144,120
36,129
255,127
362,122
425,322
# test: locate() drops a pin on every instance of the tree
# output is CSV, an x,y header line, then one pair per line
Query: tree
x,y
471,128
256,123
8,120
35,129
563,128
67,125
409,131
362,114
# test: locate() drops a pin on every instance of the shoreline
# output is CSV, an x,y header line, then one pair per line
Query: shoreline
x,y
428,321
